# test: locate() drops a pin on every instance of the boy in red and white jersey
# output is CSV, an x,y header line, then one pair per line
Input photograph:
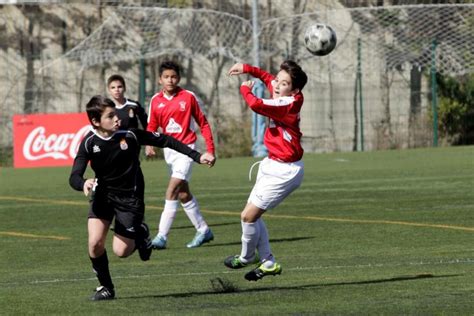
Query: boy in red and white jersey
x,y
281,172
174,111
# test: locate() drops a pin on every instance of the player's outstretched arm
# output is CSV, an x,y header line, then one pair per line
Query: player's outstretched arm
x,y
236,69
162,141
208,159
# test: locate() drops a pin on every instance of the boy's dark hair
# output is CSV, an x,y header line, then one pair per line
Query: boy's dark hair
x,y
170,65
298,76
116,78
96,106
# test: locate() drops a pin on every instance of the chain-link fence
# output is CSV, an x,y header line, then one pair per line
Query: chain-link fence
x,y
55,57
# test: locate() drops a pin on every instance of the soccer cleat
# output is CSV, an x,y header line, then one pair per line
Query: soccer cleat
x,y
200,239
261,272
103,293
159,242
145,246
234,262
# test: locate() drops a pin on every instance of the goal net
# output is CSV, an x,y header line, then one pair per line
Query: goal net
x,y
395,35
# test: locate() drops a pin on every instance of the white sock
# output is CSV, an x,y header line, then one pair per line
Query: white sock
x,y
250,237
269,263
263,244
167,217
194,214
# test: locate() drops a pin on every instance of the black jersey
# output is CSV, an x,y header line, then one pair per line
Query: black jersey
x,y
115,160
129,114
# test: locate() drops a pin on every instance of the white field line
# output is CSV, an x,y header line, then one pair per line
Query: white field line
x,y
223,272
234,213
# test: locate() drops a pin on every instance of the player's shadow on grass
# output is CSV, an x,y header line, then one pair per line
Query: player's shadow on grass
x,y
214,244
230,288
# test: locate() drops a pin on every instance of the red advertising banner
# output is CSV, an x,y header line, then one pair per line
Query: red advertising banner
x,y
46,140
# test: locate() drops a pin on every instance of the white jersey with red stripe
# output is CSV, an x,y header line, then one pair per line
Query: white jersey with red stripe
x,y
175,116
283,135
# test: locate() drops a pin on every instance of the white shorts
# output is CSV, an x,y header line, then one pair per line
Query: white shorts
x,y
180,166
275,181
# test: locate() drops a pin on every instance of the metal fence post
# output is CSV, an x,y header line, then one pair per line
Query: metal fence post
x,y
434,93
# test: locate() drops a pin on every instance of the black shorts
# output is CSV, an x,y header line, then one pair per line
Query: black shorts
x,y
127,208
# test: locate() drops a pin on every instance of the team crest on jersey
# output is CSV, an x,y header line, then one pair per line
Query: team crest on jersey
x,y
182,105
96,149
161,105
173,127
123,144
131,114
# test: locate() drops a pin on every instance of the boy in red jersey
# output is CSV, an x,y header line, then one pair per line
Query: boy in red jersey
x,y
281,172
174,111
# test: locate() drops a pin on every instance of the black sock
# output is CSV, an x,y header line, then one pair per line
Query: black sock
x,y
141,237
100,265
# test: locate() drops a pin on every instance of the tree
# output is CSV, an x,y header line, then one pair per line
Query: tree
x,y
456,108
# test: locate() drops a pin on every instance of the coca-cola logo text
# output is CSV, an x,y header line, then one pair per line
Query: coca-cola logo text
x,y
39,145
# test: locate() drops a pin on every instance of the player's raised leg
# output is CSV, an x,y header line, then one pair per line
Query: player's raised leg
x,y
250,238
143,242
269,266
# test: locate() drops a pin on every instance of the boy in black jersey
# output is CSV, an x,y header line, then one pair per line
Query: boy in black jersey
x,y
114,192
128,111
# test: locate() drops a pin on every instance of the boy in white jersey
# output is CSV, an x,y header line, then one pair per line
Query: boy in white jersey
x,y
281,172
174,111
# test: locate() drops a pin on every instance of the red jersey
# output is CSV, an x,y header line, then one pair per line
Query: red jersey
x,y
175,114
282,136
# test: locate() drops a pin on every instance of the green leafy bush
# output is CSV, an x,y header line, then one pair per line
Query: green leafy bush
x,y
456,108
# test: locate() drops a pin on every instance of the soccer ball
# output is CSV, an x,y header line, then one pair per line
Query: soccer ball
x,y
320,39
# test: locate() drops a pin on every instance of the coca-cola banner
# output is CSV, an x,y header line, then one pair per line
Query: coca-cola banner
x,y
45,140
